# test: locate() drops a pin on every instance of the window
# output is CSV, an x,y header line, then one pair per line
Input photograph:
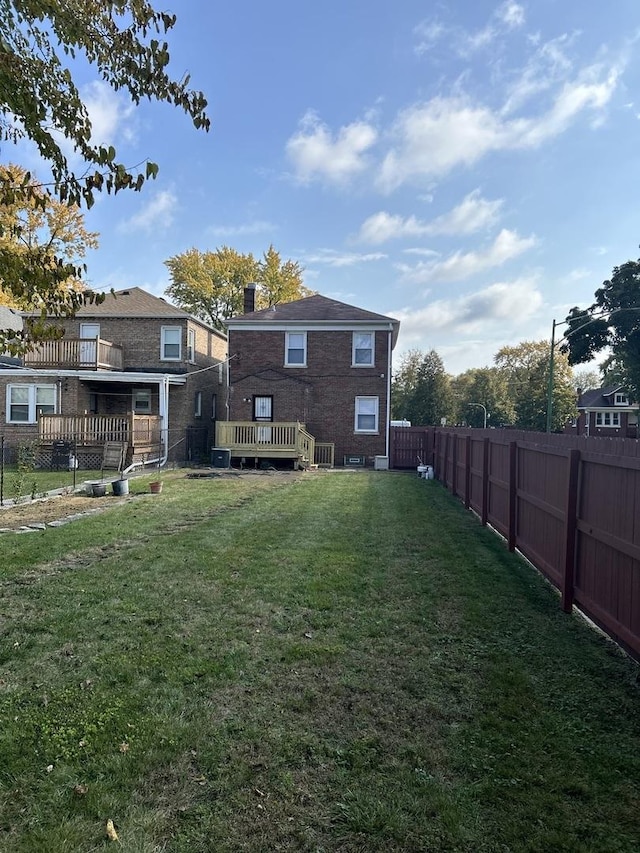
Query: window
x,y
607,419
197,404
363,346
171,343
295,349
26,402
620,399
142,401
214,406
366,414
191,346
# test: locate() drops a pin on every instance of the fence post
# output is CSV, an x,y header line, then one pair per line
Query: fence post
x,y
454,463
513,493
445,460
485,482
571,516
467,472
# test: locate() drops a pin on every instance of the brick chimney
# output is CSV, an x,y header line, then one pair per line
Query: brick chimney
x,y
250,298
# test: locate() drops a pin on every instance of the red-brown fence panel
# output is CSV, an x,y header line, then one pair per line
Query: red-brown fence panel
x,y
410,447
607,570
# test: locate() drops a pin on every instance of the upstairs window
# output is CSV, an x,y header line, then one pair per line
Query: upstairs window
x,y
607,419
620,399
295,352
171,343
363,346
26,402
367,414
191,346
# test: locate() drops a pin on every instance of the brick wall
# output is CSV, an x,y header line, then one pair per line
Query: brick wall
x,y
321,395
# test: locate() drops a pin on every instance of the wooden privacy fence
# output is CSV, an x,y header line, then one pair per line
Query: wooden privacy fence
x,y
573,513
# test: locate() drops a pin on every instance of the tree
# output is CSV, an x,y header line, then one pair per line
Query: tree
x,y
40,226
40,101
210,285
429,399
486,386
525,368
404,383
613,321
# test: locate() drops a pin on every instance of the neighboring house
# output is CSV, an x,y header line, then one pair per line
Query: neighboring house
x,y
133,369
607,412
317,363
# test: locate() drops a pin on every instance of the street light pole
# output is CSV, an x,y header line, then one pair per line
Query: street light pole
x,y
550,383
484,409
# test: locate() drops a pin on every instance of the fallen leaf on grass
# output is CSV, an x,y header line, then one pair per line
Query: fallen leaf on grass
x,y
112,835
80,790
124,747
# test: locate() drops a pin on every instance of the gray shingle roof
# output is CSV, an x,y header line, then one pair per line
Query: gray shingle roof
x,y
600,398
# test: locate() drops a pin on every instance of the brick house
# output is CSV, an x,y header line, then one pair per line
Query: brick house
x,y
318,363
134,369
607,412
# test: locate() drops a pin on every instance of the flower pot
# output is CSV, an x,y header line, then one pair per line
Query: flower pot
x,y
155,487
120,487
98,490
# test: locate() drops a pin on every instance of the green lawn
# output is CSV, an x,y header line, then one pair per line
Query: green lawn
x,y
339,662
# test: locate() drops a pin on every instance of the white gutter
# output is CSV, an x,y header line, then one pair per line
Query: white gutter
x,y
388,390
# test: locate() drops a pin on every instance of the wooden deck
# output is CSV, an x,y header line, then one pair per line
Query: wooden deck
x,y
76,353
141,433
252,440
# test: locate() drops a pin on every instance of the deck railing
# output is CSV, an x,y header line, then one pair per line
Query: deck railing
x,y
76,353
284,440
135,430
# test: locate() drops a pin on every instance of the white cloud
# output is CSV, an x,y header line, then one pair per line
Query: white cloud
x,y
472,214
515,301
256,227
108,113
316,154
511,14
462,265
156,215
331,258
435,137
508,16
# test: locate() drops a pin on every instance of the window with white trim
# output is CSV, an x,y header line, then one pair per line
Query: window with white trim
x,y
197,404
363,354
191,346
295,349
607,419
366,419
620,399
171,343
142,401
26,402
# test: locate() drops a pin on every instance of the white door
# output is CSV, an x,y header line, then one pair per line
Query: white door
x,y
89,334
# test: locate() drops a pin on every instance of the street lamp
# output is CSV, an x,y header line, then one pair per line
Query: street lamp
x,y
484,409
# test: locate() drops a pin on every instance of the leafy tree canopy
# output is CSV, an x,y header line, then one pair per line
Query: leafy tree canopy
x,y
123,40
210,285
612,321
485,386
49,237
421,390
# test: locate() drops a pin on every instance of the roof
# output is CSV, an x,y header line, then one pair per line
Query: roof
x,y
602,398
314,310
136,303
10,318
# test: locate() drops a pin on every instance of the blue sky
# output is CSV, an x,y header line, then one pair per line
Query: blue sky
x,y
471,168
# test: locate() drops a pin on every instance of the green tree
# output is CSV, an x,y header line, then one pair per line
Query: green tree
x,y
123,40
486,386
525,368
431,399
210,285
613,322
404,382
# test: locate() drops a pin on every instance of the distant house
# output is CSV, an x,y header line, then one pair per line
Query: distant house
x,y
134,369
607,412
316,366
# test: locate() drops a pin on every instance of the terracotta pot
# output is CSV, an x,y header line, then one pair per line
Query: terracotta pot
x,y
155,487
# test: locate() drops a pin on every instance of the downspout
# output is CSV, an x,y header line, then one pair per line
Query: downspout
x,y
390,336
